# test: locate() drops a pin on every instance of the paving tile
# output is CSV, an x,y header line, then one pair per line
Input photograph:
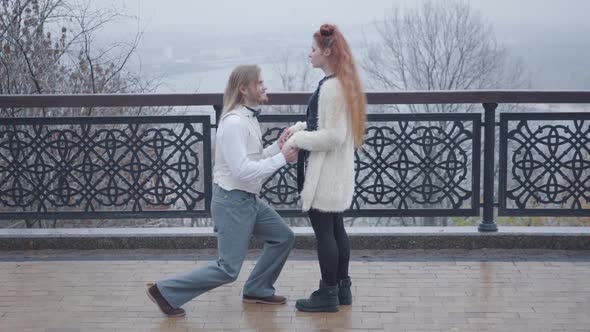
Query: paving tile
x,y
393,291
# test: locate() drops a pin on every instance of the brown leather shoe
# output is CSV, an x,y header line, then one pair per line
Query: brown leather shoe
x,y
273,299
154,294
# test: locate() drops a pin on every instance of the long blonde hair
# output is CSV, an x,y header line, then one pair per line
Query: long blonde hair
x,y
242,75
342,63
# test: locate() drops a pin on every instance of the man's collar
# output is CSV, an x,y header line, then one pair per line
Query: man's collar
x,y
255,112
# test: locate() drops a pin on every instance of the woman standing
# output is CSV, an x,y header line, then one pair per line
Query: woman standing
x,y
335,125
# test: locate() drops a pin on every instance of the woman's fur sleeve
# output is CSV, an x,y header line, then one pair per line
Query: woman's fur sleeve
x,y
332,121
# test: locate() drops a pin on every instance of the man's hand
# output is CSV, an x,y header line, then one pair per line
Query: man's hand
x,y
290,153
285,135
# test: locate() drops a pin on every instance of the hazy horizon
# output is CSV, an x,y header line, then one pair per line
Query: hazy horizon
x,y
265,15
549,36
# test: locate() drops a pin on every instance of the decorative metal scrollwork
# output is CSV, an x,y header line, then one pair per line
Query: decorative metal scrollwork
x,y
408,165
280,189
545,163
423,163
86,168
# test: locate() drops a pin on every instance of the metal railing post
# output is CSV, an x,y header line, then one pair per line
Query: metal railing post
x,y
488,224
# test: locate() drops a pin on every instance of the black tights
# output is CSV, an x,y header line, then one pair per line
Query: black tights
x,y
333,245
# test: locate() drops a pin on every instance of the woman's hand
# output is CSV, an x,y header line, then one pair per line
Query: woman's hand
x,y
290,153
285,135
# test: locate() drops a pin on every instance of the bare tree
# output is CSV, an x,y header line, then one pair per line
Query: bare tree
x,y
440,45
296,74
51,47
294,70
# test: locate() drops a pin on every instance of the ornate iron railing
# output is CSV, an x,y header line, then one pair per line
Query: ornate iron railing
x,y
109,167
410,164
419,165
547,158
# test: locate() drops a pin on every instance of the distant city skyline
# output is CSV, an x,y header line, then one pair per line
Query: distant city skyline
x,y
183,37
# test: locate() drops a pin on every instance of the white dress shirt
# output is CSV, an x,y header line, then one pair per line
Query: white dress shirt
x,y
240,160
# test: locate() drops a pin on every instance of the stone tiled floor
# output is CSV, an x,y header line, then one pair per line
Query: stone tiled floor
x,y
482,290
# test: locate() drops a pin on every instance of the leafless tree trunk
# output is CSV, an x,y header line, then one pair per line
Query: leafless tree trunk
x,y
50,47
441,45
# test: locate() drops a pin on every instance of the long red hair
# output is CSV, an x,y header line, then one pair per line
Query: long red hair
x,y
342,63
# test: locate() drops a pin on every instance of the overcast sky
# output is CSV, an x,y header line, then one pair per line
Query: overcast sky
x,y
259,15
551,36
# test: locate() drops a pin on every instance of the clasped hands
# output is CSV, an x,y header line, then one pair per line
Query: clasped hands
x,y
289,152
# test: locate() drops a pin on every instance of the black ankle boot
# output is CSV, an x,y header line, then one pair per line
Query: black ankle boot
x,y
325,299
344,293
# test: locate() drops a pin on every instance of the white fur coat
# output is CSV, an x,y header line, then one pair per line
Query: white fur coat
x,y
329,179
